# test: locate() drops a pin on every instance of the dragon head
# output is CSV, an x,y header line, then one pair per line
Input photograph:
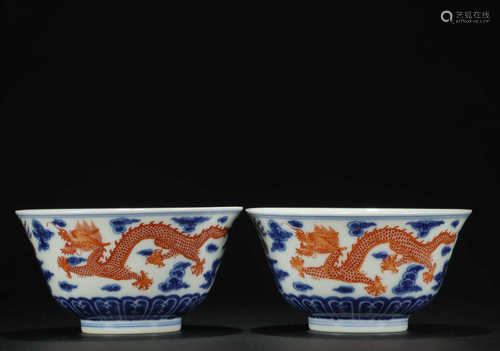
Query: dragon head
x,y
320,240
86,237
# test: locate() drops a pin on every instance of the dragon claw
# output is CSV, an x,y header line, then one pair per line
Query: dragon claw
x,y
68,250
63,263
298,264
156,258
143,282
197,269
389,264
376,288
429,275
303,251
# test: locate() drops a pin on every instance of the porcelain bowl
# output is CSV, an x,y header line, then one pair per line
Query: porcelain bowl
x,y
134,270
358,270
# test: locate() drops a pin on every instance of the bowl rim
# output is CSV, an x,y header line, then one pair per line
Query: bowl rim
x,y
355,211
125,210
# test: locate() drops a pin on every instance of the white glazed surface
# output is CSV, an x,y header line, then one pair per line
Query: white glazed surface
x,y
281,244
165,281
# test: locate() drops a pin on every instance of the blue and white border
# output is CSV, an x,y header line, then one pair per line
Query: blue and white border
x,y
331,325
131,327
143,212
356,213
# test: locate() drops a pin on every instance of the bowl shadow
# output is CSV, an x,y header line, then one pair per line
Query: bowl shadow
x,y
74,334
415,331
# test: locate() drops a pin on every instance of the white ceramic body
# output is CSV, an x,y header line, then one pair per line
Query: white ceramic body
x,y
358,270
98,263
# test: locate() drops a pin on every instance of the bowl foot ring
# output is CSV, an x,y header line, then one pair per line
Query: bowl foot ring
x,y
331,325
131,327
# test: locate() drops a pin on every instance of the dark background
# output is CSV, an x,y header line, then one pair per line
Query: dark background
x,y
137,105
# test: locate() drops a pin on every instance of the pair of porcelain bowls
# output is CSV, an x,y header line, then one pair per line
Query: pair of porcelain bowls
x,y
125,271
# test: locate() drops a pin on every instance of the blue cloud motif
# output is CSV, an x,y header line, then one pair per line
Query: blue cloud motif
x,y
440,276
210,275
357,228
111,287
344,289
446,250
27,228
47,275
260,228
119,225
424,227
296,224
67,286
174,280
145,252
189,224
301,286
212,248
59,222
279,274
279,236
408,282
42,235
455,223
222,219
75,260
380,255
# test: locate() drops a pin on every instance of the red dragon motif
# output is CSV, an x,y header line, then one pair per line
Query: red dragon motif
x,y
86,237
326,241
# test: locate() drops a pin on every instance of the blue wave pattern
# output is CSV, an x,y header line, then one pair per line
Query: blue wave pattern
x,y
131,308
363,305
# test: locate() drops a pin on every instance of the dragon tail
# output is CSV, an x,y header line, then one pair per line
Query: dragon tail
x,y
211,232
444,237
